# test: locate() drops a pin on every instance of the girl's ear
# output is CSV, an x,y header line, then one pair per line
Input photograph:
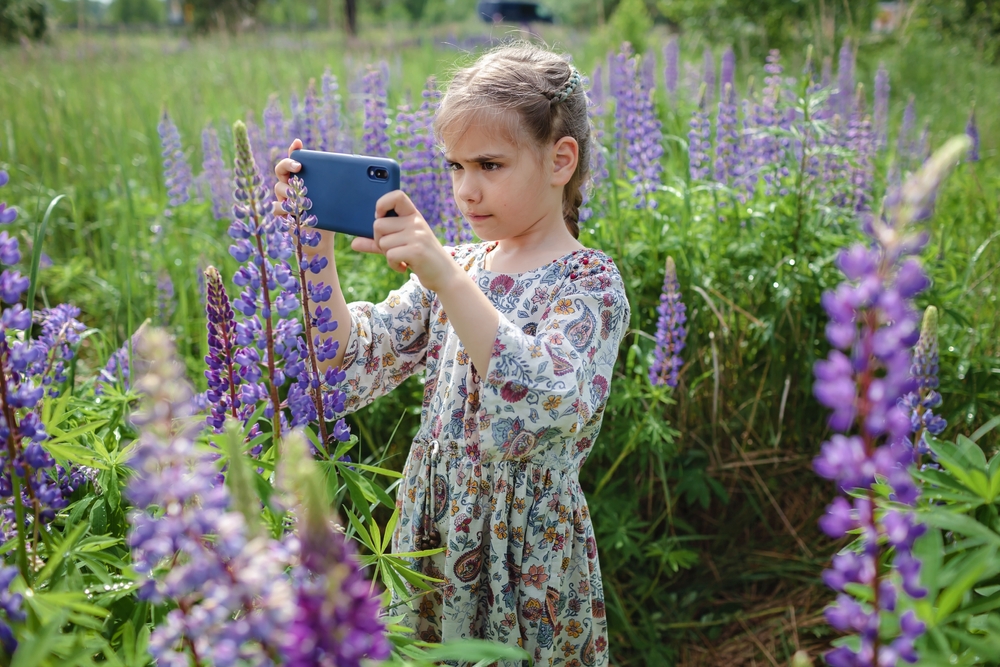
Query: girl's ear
x,y
565,155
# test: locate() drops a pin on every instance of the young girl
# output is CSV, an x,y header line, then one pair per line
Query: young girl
x,y
518,337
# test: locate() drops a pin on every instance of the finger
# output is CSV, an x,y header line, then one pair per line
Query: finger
x,y
395,263
285,167
384,226
296,145
281,191
361,244
394,201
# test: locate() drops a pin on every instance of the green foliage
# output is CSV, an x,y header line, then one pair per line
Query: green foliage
x,y
132,12
22,18
631,23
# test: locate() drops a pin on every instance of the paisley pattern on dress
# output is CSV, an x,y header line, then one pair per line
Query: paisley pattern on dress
x,y
497,454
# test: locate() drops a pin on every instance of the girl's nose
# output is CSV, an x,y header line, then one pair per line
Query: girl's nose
x,y
466,189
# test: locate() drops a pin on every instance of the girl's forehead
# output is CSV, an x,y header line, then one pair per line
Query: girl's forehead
x,y
478,138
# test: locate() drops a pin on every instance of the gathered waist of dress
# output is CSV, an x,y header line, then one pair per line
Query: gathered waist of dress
x,y
463,452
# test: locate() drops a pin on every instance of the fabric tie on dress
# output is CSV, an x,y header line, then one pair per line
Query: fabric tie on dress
x,y
430,536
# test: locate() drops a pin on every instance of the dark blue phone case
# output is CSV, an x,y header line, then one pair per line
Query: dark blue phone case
x,y
342,189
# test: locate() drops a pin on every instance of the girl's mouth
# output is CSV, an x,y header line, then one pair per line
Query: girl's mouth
x,y
476,218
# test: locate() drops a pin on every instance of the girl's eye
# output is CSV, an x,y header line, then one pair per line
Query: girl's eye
x,y
490,166
453,166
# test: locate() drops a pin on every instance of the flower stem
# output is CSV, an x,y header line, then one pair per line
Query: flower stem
x,y
12,449
269,333
307,316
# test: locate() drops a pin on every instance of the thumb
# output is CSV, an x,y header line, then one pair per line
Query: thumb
x,y
362,244
296,145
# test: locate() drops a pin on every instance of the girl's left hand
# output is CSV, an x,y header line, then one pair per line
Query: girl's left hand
x,y
407,242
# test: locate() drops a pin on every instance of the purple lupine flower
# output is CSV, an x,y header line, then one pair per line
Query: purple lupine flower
x,y
262,244
224,393
117,371
647,67
726,137
768,120
920,403
417,156
335,136
165,298
215,176
376,137
861,141
872,317
311,121
671,58
338,620
972,131
880,120
905,146
176,170
598,159
316,395
699,143
596,88
60,333
670,331
708,75
276,140
293,125
727,71
233,602
845,80
10,604
638,144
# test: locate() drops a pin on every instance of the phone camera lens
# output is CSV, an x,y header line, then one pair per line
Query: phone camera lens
x,y
381,173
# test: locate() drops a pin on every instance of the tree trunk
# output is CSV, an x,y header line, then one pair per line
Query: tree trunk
x,y
351,10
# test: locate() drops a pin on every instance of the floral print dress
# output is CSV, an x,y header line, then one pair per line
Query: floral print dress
x,y
492,474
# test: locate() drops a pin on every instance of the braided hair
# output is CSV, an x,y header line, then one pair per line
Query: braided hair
x,y
546,94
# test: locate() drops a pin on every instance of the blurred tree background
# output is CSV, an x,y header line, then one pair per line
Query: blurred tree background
x,y
752,26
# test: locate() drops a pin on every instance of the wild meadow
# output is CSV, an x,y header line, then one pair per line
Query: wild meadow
x,y
798,462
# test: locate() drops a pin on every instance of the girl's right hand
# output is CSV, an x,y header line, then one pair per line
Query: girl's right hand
x,y
283,171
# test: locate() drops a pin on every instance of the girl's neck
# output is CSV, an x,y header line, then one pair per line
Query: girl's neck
x,y
530,250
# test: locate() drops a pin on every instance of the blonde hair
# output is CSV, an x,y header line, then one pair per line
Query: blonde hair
x,y
547,99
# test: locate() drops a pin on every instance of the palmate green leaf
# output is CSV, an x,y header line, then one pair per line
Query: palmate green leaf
x,y
929,550
957,461
939,517
75,453
59,552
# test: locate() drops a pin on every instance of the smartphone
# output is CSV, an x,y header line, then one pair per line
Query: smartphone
x,y
344,188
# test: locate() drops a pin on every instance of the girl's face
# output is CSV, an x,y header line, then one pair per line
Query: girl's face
x,y
504,190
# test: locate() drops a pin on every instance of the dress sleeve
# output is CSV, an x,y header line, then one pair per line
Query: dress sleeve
x,y
388,343
545,385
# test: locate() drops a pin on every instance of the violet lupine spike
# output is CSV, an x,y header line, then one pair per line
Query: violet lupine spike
x,y
233,602
872,318
638,144
880,120
699,143
862,143
920,403
727,71
27,366
60,333
316,396
224,393
216,177
671,59
262,244
335,137
726,137
310,125
905,143
376,137
647,67
338,620
598,160
845,80
176,170
671,333
276,140
972,131
708,75
165,298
